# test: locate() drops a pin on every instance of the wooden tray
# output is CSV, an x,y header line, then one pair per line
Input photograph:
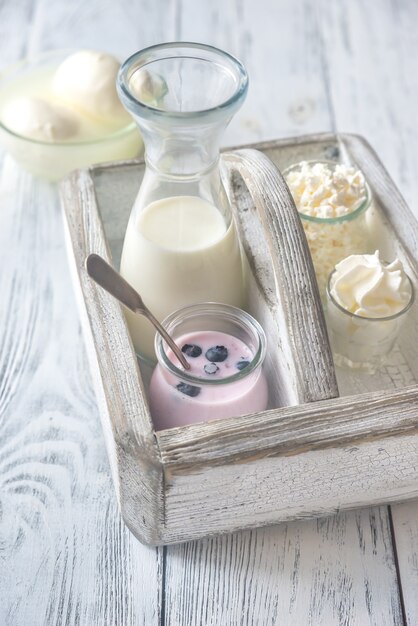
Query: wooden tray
x,y
315,455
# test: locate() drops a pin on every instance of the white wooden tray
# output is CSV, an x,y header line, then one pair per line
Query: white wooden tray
x,y
317,453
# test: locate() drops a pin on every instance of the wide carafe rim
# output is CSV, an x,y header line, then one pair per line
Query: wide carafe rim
x,y
186,49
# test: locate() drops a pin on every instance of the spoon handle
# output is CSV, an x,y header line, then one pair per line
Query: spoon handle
x,y
108,278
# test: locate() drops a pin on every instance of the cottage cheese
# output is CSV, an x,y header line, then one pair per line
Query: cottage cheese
x,y
322,191
326,196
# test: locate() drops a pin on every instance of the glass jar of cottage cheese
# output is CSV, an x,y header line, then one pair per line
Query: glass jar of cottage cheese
x,y
332,200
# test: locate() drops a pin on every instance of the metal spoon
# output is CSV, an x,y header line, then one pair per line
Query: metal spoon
x,y
108,278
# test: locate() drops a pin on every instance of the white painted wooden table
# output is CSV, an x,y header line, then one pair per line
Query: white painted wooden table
x,y
65,556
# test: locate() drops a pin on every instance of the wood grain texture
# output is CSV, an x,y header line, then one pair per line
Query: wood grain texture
x,y
121,27
294,430
305,355
125,416
371,54
66,557
302,57
304,573
393,205
281,488
405,530
279,43
15,27
64,549
373,86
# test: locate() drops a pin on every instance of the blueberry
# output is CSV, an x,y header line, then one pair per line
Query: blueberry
x,y
211,368
191,350
242,364
188,390
217,354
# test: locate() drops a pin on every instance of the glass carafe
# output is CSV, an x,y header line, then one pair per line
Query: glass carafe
x,y
181,246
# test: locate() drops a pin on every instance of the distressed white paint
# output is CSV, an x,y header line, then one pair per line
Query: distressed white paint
x,y
64,550
202,478
65,555
405,524
372,51
321,573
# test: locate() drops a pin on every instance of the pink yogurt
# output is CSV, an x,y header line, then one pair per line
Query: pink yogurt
x,y
226,382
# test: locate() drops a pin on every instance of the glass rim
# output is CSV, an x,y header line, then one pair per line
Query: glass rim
x,y
217,307
387,318
8,73
332,220
123,77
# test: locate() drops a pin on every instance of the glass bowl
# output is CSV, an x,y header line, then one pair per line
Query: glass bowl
x,y
53,160
360,342
332,239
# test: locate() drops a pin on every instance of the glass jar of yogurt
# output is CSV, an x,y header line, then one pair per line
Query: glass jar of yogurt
x,y
226,348
332,200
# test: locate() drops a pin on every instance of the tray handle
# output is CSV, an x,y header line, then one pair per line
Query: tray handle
x,y
308,366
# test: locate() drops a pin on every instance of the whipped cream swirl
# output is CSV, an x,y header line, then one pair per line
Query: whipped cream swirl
x,y
366,286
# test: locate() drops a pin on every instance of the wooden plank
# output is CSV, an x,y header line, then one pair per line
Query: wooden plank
x,y
278,43
295,430
333,571
15,27
252,577
405,530
129,435
402,219
66,556
265,490
65,551
121,27
306,365
372,50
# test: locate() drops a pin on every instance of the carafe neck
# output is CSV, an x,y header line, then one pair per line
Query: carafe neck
x,y
184,153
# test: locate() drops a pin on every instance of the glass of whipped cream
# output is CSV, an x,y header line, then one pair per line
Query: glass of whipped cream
x,y
368,301
332,200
